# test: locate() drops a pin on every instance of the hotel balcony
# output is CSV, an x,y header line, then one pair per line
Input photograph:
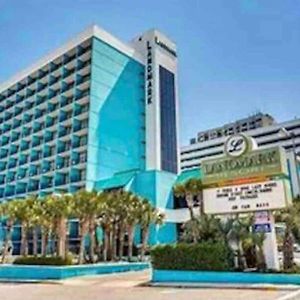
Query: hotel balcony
x,y
44,126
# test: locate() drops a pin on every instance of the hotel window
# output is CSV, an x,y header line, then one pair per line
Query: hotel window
x,y
168,121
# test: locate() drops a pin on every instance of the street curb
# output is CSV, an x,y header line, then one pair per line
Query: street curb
x,y
264,287
23,281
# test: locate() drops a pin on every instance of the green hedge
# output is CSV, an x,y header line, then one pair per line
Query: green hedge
x,y
202,256
50,261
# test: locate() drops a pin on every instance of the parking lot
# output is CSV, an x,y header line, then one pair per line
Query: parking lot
x,y
128,286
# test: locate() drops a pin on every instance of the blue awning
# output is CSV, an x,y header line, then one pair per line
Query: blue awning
x,y
118,180
184,176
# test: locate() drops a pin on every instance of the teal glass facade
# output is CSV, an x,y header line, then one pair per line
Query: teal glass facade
x,y
117,114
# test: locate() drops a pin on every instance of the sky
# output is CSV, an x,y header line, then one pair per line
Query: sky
x,y
236,57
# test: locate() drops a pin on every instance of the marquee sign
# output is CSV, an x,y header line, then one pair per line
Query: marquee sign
x,y
268,195
245,180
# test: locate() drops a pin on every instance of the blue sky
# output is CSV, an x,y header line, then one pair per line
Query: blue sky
x,y
236,57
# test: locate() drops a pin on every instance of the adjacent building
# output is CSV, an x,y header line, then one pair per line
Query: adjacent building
x,y
257,120
265,131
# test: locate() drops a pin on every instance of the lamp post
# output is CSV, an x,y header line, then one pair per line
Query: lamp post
x,y
284,133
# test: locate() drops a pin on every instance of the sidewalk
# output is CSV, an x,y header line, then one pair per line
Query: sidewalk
x,y
269,287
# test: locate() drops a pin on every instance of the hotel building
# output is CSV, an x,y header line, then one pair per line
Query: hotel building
x,y
96,113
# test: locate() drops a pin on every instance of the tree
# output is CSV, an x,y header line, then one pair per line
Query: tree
x,y
105,220
203,228
123,210
191,231
290,216
209,228
225,227
199,193
96,202
9,211
60,207
32,219
188,190
148,215
238,233
132,219
85,208
44,219
22,215
118,213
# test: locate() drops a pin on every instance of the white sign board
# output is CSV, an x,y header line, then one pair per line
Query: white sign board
x,y
267,195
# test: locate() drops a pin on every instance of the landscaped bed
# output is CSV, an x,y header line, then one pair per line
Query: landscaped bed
x,y
207,263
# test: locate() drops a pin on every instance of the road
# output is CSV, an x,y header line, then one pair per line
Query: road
x,y
128,287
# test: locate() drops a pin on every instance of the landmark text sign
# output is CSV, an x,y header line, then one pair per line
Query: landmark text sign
x,y
258,163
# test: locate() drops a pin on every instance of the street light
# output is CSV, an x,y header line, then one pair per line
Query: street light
x,y
283,132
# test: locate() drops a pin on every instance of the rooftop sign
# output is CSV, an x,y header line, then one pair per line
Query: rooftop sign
x,y
165,46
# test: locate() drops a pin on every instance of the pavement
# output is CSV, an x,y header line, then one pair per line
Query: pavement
x,y
131,286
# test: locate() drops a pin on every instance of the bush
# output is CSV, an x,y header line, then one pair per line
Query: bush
x,y
43,260
206,256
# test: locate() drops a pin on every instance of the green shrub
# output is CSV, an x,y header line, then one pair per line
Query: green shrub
x,y
202,256
43,260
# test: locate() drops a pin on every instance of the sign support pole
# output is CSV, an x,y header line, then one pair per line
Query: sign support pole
x,y
270,244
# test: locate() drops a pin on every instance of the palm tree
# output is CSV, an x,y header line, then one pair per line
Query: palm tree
x,y
239,232
209,228
188,190
22,215
113,218
9,210
95,208
84,208
32,219
203,228
132,219
123,209
191,231
199,193
2,216
44,219
80,210
290,216
61,209
225,227
148,215
105,220
115,204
